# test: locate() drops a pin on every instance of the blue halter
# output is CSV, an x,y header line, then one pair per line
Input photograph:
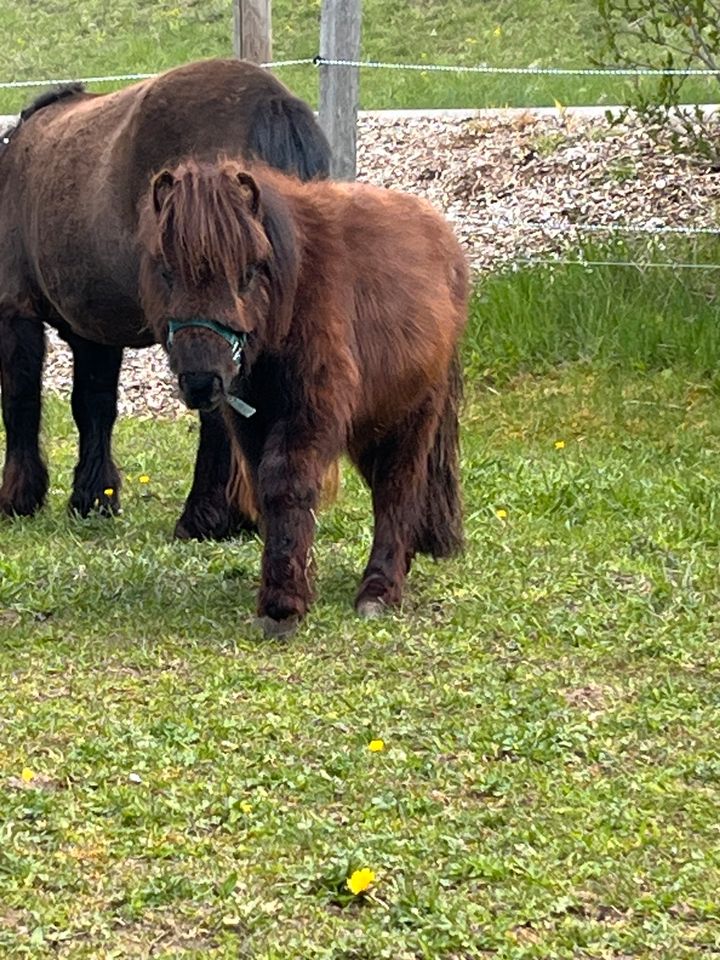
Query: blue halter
x,y
236,341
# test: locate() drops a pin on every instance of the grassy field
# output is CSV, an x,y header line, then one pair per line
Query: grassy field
x,y
97,38
173,785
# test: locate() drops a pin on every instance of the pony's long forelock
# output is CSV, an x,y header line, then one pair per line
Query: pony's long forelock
x,y
206,227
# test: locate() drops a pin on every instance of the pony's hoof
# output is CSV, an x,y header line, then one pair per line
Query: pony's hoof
x,y
212,524
23,493
19,507
278,628
84,505
371,608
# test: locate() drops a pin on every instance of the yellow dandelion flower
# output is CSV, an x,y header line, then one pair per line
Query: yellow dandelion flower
x,y
559,444
108,491
360,880
27,775
143,478
501,514
246,807
497,31
375,746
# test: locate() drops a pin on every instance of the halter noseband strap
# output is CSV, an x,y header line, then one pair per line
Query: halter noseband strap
x,y
236,341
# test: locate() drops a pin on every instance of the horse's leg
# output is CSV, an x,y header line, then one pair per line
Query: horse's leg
x,y
25,477
208,513
289,479
396,471
96,371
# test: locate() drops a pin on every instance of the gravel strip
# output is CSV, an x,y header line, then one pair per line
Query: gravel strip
x,y
489,174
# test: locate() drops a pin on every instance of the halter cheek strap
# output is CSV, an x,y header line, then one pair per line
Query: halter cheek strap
x,y
236,341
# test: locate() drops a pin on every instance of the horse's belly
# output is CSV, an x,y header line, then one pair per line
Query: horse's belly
x,y
101,312
113,330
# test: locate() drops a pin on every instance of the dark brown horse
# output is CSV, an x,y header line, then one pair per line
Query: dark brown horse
x,y
334,312
72,175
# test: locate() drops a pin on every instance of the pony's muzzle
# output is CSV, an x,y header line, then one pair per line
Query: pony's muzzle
x,y
201,391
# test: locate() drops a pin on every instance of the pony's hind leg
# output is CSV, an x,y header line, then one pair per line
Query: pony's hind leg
x,y
395,468
96,371
211,512
25,477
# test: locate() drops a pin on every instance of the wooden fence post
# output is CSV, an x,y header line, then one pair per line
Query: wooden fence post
x,y
340,22
252,30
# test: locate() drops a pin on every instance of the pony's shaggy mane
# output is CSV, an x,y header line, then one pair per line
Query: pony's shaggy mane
x,y
205,227
46,99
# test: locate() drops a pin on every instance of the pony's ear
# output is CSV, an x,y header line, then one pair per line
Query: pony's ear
x,y
162,184
250,191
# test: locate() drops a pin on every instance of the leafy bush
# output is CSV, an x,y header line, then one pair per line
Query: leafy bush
x,y
668,35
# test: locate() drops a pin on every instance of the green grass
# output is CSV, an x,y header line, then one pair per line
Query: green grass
x,y
97,38
646,317
549,703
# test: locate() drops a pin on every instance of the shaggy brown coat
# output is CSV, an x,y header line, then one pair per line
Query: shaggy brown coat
x,y
354,299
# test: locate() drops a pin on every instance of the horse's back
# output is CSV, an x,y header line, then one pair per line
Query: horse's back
x,y
230,107
410,282
406,248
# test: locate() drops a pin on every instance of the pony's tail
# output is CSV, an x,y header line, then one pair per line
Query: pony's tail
x,y
285,135
240,490
440,529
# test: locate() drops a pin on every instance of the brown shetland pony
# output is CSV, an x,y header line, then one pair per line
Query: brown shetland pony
x,y
73,172
335,312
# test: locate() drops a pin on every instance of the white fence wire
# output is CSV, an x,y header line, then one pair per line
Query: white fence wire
x,y
638,265
480,68
125,77
568,228
525,71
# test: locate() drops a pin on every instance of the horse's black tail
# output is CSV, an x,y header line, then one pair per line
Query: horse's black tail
x,y
440,530
285,134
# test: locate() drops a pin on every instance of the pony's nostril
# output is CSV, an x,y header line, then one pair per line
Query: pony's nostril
x,y
200,390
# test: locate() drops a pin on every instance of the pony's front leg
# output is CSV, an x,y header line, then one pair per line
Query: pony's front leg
x,y
212,511
289,482
96,371
25,477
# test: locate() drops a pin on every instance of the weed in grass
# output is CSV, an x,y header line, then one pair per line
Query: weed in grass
x,y
547,144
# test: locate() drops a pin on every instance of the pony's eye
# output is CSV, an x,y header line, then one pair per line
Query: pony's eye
x,y
247,278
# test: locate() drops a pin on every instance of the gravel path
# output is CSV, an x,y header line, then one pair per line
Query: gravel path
x,y
488,174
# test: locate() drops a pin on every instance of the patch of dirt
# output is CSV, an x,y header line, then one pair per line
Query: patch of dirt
x,y
590,697
164,938
490,176
39,781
